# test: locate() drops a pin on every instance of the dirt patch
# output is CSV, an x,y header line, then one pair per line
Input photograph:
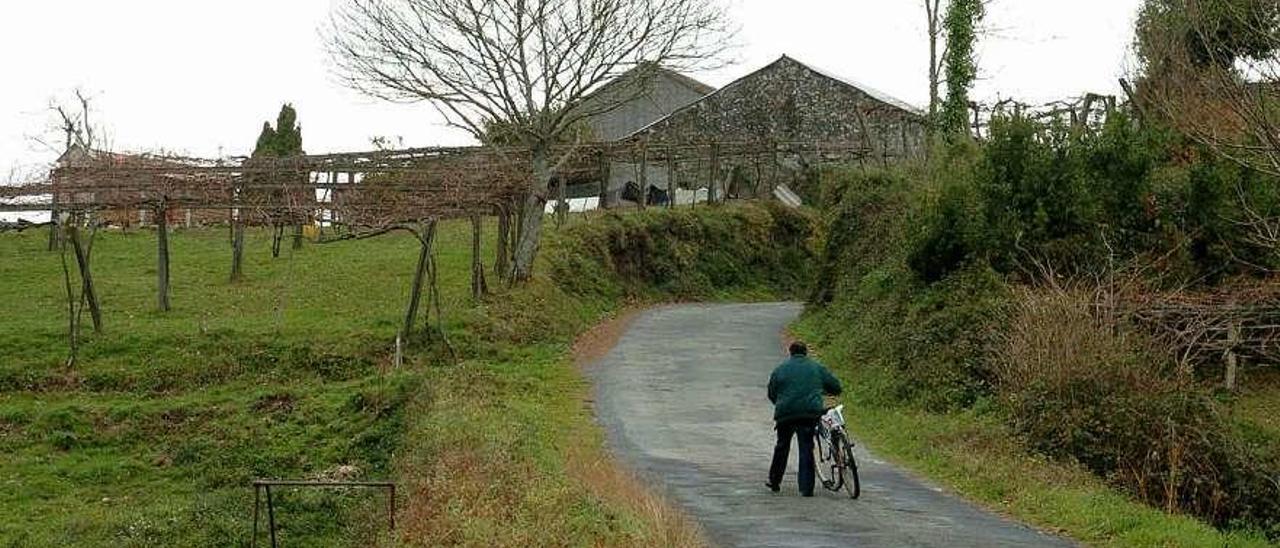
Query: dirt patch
x,y
282,403
599,340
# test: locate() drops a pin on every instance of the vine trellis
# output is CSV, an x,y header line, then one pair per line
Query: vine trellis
x,y
352,196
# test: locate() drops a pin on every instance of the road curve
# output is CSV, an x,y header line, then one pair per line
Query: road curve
x,y
682,398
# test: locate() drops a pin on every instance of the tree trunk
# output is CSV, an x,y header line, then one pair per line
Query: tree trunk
x,y
297,237
425,236
237,248
87,290
73,327
162,259
532,213
932,8
478,286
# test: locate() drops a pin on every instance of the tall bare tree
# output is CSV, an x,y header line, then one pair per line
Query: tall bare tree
x,y
526,64
1211,70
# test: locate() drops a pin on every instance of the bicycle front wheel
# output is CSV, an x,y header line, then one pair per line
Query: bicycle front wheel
x,y
852,484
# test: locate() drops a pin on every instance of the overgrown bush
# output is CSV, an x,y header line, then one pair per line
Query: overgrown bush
x,y
1079,385
687,252
929,338
915,284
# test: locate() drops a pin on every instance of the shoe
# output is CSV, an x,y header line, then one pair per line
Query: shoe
x,y
772,486
806,494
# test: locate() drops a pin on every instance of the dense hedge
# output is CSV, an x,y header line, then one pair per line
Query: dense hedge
x,y
919,281
686,253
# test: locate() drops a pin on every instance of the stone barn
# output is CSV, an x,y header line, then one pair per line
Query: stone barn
x,y
786,102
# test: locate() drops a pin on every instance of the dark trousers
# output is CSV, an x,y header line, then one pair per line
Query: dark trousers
x,y
803,430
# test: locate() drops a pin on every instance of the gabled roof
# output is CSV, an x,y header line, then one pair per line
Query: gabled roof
x,y
658,70
871,92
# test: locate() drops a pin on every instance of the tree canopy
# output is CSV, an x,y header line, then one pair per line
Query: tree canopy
x,y
285,139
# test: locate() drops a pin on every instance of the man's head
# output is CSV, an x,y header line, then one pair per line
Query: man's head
x,y
799,349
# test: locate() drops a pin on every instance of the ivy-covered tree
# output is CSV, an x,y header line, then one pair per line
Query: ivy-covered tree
x,y
960,63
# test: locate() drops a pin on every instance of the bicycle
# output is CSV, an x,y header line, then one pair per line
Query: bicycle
x,y
833,454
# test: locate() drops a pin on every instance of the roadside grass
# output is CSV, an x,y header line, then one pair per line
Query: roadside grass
x,y
973,453
510,456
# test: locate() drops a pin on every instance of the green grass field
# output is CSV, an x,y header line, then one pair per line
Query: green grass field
x,y
154,435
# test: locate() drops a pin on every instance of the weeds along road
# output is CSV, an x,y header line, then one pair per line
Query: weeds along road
x,y
682,396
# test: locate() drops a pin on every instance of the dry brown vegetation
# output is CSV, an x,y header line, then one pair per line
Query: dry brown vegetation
x,y
1079,382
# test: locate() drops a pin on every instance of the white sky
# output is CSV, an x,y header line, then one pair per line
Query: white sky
x,y
200,77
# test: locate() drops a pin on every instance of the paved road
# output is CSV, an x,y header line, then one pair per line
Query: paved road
x,y
682,398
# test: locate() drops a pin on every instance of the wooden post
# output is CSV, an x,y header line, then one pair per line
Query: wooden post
x,y
277,233
478,286
1233,340
501,265
425,236
55,231
671,180
86,276
714,174
162,257
237,246
644,175
605,174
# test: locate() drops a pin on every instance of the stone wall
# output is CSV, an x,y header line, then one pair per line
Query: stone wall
x,y
788,101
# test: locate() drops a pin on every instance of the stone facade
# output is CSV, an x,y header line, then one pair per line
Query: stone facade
x,y
784,103
788,101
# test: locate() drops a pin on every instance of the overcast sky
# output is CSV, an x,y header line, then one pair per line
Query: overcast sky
x,y
200,77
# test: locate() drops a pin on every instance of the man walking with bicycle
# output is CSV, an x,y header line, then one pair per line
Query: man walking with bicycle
x,y
796,388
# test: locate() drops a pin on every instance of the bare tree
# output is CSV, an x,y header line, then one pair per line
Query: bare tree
x,y
1211,70
75,122
525,64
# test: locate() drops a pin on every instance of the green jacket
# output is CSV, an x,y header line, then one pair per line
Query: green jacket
x,y
796,388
